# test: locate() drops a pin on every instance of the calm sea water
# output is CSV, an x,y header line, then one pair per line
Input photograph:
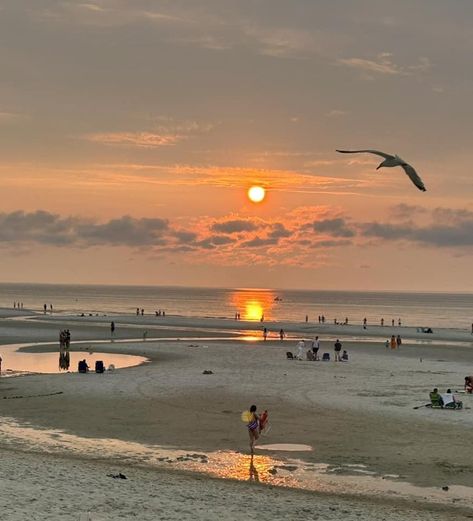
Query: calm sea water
x,y
426,309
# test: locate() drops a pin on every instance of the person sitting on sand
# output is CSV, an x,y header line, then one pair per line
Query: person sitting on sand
x,y
469,384
450,400
82,366
345,356
253,428
435,398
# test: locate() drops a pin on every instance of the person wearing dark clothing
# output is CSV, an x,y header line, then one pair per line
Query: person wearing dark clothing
x,y
338,348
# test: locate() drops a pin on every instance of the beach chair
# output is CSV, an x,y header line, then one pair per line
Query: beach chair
x,y
289,355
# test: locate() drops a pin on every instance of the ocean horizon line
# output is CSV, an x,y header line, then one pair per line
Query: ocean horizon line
x,y
239,288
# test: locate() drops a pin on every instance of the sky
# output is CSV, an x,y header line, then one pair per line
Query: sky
x,y
130,132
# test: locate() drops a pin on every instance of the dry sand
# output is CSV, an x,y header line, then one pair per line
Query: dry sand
x,y
353,414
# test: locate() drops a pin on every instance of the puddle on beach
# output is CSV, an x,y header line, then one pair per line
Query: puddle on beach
x,y
285,447
20,362
352,479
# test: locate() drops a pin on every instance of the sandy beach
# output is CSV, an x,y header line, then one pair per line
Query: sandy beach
x,y
176,432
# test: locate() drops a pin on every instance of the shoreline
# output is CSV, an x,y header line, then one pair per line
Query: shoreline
x,y
360,413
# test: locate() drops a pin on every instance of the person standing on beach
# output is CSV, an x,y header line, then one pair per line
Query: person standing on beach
x,y
393,342
316,347
0,366
399,322
382,322
398,341
338,348
265,334
281,334
364,323
112,328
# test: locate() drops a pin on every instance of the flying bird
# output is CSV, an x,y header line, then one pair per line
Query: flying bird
x,y
391,161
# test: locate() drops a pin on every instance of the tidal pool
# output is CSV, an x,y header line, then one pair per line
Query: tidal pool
x,y
15,361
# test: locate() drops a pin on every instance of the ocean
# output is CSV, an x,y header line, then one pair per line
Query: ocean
x,y
448,310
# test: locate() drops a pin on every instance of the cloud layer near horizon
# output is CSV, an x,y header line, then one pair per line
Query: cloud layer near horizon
x,y
236,240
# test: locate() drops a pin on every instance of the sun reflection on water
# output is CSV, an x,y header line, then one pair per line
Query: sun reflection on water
x,y
253,304
243,467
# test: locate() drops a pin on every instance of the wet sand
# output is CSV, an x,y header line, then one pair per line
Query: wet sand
x,y
358,413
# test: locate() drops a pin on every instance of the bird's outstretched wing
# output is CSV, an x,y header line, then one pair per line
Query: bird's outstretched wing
x,y
377,152
413,176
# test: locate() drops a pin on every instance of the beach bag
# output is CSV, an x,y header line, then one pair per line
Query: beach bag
x,y
99,367
326,357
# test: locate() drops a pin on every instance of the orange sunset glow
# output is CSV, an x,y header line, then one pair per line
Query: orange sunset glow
x,y
164,182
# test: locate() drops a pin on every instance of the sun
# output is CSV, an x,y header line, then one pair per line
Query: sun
x,y
256,194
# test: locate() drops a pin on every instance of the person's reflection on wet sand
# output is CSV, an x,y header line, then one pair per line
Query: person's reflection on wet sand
x,y
254,476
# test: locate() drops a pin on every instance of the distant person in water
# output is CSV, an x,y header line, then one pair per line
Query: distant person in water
x,y
265,334
364,323
399,322
112,328
392,322
45,308
0,365
382,322
307,318
398,341
281,334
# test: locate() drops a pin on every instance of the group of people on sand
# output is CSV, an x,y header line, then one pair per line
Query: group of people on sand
x,y
447,399
17,305
394,342
312,354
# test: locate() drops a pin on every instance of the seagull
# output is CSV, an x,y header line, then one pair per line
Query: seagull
x,y
391,161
